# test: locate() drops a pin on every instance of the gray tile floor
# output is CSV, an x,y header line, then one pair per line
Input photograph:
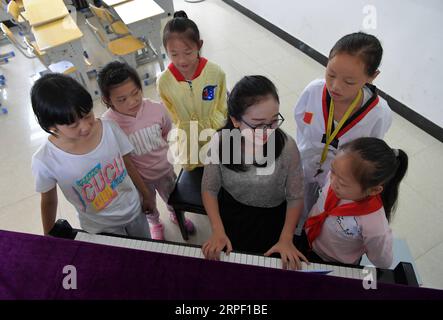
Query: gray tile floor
x,y
240,47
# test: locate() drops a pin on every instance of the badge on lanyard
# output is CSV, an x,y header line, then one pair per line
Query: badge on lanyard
x,y
329,138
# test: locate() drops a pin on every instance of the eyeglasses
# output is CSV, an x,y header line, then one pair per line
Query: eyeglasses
x,y
273,125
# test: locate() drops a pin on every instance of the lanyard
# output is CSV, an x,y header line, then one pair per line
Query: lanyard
x,y
330,136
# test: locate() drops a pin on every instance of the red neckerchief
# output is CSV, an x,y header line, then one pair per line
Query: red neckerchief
x,y
356,208
179,77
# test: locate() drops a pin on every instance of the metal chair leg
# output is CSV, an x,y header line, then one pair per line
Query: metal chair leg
x,y
181,223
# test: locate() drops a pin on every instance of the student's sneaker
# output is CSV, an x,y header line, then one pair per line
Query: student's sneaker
x,y
157,231
188,223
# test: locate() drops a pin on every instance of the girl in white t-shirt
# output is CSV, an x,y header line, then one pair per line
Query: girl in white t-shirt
x,y
338,109
355,206
88,159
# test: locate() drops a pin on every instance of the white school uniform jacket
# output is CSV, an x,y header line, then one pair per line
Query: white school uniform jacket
x,y
373,119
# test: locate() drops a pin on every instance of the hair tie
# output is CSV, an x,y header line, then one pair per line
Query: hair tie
x,y
396,153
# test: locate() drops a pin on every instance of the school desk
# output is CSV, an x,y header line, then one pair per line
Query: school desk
x,y
143,18
39,12
61,40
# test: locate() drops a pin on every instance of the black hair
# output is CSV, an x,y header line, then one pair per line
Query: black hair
x,y
247,92
363,45
181,24
113,74
381,166
58,99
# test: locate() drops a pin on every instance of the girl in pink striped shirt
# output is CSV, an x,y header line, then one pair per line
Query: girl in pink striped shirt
x,y
147,124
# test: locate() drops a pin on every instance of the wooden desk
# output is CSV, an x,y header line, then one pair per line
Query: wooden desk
x,y
143,18
111,3
138,10
56,33
60,40
40,12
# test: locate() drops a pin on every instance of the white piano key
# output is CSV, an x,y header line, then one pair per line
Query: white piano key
x,y
176,250
224,257
80,236
261,261
232,257
341,271
349,273
136,244
145,245
109,242
118,242
187,251
267,262
181,250
96,239
197,252
249,259
279,263
173,249
154,246
255,260
131,244
244,258
149,245
124,242
160,247
352,273
164,248
170,249
86,237
237,258
273,263
127,243
358,274
193,252
200,253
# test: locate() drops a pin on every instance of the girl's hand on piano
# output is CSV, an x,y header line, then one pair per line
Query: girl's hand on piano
x,y
290,256
216,243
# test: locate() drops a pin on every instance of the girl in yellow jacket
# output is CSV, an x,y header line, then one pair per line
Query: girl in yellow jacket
x,y
192,88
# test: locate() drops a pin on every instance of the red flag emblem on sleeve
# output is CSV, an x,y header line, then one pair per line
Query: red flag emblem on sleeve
x,y
308,117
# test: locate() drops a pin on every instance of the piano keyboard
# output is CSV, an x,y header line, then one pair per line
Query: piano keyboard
x,y
234,257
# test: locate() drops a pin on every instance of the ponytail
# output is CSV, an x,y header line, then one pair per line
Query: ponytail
x,y
389,194
185,27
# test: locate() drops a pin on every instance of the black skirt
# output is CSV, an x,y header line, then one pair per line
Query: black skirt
x,y
251,229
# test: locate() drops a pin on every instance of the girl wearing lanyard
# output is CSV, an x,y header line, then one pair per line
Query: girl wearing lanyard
x,y
338,109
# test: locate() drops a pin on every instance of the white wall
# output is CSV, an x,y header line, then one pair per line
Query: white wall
x,y
411,32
